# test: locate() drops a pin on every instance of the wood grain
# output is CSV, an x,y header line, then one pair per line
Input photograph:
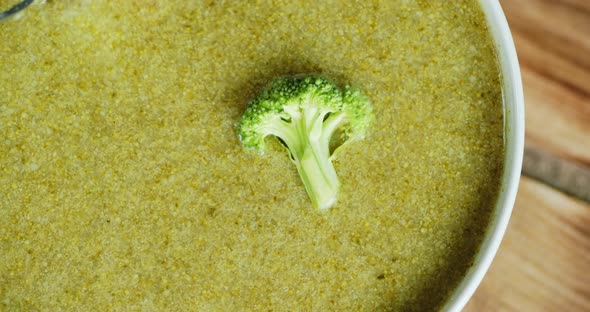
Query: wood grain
x,y
552,38
553,43
566,176
544,261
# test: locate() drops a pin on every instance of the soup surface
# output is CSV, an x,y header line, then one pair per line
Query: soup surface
x,y
124,185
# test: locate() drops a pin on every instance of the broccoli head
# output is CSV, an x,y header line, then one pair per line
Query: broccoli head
x,y
307,113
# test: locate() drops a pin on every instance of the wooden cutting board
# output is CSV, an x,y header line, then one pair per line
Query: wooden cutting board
x,y
544,261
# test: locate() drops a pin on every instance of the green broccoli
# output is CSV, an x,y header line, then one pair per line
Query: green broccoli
x,y
305,113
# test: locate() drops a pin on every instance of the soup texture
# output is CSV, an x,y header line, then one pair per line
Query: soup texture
x,y
124,185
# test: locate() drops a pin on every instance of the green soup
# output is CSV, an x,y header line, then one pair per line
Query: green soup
x,y
124,185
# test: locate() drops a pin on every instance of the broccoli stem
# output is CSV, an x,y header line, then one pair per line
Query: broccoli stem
x,y
312,159
319,178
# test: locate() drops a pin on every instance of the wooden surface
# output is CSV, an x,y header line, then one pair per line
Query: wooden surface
x,y
544,261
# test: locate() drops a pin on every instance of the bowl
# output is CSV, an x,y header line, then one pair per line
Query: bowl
x,y
514,147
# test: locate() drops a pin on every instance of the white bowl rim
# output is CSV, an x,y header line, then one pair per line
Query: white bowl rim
x,y
514,145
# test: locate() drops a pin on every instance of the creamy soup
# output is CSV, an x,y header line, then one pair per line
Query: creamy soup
x,y
124,186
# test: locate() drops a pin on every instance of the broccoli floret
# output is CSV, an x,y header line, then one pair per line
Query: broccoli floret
x,y
305,113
